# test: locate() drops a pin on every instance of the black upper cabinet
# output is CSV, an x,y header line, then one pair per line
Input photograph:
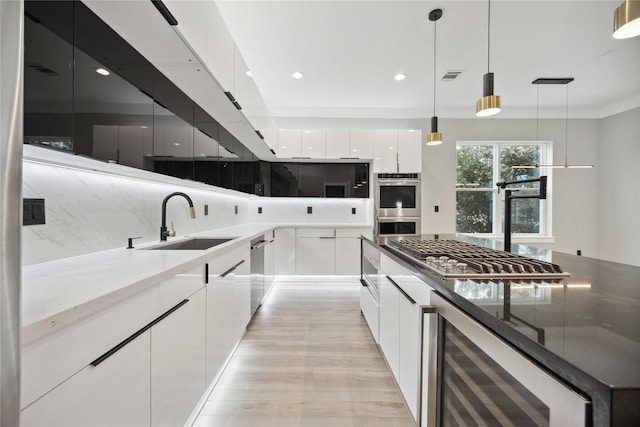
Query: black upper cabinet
x,y
137,117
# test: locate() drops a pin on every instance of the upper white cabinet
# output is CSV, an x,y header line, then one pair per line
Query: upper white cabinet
x,y
337,143
289,143
385,151
313,143
397,151
361,144
410,150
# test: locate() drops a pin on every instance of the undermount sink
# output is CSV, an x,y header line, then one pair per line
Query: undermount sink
x,y
193,244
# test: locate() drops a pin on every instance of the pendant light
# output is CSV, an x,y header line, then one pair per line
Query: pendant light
x,y
626,20
489,104
435,137
555,81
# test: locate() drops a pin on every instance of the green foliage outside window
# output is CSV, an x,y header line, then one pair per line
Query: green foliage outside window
x,y
476,194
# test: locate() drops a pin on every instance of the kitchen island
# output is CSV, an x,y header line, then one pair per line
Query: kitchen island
x,y
583,330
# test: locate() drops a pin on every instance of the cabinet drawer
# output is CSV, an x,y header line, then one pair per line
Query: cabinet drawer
x,y
352,232
52,359
315,232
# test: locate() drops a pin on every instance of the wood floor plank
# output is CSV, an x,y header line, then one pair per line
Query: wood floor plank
x,y
309,360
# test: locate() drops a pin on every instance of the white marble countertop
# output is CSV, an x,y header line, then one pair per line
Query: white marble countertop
x,y
58,293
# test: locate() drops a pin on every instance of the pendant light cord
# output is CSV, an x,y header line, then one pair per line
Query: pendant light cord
x,y
566,127
435,57
489,38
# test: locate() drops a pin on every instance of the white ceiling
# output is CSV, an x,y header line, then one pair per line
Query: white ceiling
x,y
349,52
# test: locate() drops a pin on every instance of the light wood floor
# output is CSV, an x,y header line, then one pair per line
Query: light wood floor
x,y
308,359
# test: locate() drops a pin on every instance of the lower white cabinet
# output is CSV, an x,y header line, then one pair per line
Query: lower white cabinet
x,y
114,393
315,251
285,251
410,316
228,313
390,324
348,251
371,311
178,362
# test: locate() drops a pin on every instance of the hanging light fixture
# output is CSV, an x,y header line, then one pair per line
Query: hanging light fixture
x,y
435,137
489,104
555,81
626,20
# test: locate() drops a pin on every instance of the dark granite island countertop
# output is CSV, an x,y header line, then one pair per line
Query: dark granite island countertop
x,y
585,329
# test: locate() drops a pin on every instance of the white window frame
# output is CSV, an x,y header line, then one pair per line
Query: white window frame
x,y
545,235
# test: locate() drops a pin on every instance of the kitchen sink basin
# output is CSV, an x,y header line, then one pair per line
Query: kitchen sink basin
x,y
195,244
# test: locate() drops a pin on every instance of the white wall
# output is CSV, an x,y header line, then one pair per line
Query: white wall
x,y
618,203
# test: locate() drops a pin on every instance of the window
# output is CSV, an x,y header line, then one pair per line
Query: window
x,y
479,206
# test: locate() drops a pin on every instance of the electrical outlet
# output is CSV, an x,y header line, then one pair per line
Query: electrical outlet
x,y
353,211
236,209
259,209
33,212
206,209
309,210
436,208
579,252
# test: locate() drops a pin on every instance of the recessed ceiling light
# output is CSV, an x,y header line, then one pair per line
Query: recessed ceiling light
x,y
307,131
390,148
144,127
297,75
412,130
177,144
284,146
400,77
102,71
355,150
249,73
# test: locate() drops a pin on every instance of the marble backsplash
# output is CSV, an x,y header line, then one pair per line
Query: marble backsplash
x,y
92,206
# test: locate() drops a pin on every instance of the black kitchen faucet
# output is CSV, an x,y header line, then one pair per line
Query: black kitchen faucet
x,y
163,228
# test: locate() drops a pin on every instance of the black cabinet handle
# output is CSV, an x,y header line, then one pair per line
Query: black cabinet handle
x,y
406,295
231,269
206,273
135,335
363,283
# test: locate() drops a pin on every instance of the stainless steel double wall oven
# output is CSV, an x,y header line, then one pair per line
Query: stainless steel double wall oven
x,y
397,204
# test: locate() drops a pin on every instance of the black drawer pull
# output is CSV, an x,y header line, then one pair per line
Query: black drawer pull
x,y
406,295
363,283
135,335
231,269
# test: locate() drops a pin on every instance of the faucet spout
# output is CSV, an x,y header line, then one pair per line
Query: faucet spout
x,y
163,228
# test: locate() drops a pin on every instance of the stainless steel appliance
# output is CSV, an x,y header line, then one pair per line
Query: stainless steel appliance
x,y
474,375
454,259
397,194
257,272
397,204
397,226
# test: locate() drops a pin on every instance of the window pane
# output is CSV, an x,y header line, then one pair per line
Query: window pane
x,y
519,155
525,216
474,166
474,213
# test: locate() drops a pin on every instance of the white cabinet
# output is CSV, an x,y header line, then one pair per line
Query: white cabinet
x,y
114,393
269,262
385,151
409,352
348,251
337,144
397,151
313,143
390,324
400,328
361,144
285,251
315,251
410,150
178,362
228,313
289,143
371,311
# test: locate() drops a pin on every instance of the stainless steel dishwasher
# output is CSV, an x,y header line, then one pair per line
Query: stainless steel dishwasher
x,y
257,272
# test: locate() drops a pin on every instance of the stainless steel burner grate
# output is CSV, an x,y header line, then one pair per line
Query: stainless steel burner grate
x,y
451,259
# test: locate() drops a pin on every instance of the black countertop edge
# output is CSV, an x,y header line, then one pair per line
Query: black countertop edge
x,y
574,378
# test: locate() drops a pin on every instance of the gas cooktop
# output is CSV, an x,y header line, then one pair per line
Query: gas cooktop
x,y
454,259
